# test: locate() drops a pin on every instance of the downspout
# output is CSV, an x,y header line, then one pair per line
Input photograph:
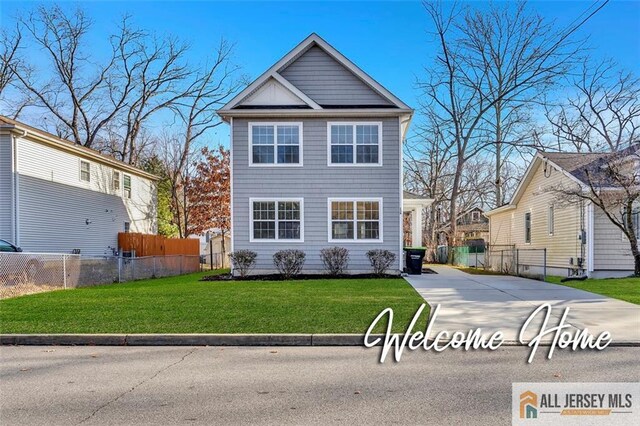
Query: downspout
x,y
16,189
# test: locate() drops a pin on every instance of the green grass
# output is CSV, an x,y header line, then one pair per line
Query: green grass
x,y
627,289
186,305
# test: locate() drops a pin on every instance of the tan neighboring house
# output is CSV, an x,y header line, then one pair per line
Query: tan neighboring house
x,y
577,236
472,227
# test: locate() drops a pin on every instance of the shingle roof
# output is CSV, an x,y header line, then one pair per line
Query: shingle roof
x,y
411,196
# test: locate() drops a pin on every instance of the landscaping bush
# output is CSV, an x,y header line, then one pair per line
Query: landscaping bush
x,y
243,261
380,260
289,262
335,259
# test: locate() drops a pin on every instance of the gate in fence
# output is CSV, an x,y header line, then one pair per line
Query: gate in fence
x,y
27,273
507,259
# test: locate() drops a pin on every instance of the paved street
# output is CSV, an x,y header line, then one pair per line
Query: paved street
x,y
495,302
284,385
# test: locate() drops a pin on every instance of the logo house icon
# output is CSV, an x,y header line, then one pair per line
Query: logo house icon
x,y
528,405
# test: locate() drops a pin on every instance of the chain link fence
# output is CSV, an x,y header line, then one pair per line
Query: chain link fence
x,y
526,262
27,273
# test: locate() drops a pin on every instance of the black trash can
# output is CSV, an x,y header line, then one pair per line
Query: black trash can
x,y
413,260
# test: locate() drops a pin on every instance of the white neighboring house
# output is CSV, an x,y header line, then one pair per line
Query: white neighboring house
x,y
57,196
575,234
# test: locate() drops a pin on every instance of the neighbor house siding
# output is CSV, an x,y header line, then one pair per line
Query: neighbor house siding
x,y
508,227
315,182
327,82
59,212
6,172
612,251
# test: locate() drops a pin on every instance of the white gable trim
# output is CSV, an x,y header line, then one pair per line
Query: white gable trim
x,y
273,93
301,48
280,79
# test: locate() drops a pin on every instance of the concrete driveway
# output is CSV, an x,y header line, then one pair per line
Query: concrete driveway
x,y
505,302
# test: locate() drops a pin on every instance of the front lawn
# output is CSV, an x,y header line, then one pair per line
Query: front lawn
x,y
186,305
627,289
478,271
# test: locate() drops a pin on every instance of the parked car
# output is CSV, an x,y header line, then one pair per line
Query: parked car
x,y
17,267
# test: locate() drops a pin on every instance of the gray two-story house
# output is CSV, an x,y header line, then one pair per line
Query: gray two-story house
x,y
316,160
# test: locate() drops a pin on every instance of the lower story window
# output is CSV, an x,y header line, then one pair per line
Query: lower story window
x,y
357,219
276,220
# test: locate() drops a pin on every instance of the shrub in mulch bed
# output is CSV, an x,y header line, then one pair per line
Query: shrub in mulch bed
x,y
278,277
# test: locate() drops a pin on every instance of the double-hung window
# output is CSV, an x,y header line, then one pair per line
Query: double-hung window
x,y
274,220
127,186
116,180
277,144
355,143
551,220
85,171
355,219
527,227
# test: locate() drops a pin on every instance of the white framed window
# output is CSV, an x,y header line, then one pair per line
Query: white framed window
x,y
127,186
551,218
354,144
355,219
527,227
275,144
115,183
475,215
276,219
85,171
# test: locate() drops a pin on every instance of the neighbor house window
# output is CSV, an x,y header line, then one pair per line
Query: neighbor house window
x,y
527,227
275,143
358,219
355,143
475,216
116,180
551,219
127,226
85,171
276,219
127,186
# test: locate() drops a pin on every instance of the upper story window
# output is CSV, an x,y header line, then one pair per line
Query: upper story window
x,y
85,171
475,216
115,184
551,219
275,220
127,186
355,144
355,219
275,144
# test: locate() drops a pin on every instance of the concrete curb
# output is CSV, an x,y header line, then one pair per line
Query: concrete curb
x,y
212,340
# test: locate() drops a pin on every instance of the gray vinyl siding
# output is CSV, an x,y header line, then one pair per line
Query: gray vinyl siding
x,y
315,182
327,82
6,216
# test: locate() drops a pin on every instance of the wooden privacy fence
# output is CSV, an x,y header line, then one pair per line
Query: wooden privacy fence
x,y
157,245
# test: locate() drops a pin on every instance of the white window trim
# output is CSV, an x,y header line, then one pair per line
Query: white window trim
x,y
355,219
275,125
80,171
551,219
354,124
276,239
113,180
124,194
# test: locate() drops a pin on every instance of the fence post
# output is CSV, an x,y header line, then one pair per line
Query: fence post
x,y
119,269
64,270
544,265
517,262
154,266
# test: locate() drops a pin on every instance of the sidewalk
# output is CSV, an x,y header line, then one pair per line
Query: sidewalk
x,y
499,302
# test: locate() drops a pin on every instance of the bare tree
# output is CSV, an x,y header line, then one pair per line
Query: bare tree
x,y
82,95
465,91
208,90
603,115
11,43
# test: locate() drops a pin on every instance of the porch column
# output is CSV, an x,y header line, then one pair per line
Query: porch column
x,y
416,227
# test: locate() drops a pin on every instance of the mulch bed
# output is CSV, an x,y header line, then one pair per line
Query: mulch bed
x,y
278,277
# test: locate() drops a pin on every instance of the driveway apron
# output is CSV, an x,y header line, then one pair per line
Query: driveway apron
x,y
503,303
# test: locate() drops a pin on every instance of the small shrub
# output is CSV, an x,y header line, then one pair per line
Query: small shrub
x,y
335,259
243,261
380,260
289,262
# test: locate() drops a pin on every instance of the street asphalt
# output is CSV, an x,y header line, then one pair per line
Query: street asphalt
x,y
67,385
